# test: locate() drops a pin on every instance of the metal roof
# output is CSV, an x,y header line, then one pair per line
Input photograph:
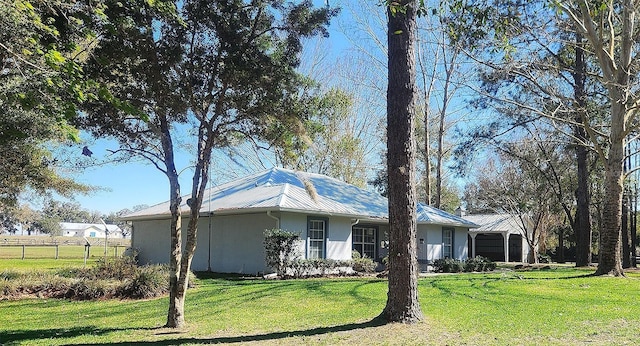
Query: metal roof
x,y
280,189
496,223
74,226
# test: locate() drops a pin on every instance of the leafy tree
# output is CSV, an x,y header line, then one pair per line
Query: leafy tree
x,y
402,297
42,47
209,74
68,212
330,143
599,39
612,31
46,224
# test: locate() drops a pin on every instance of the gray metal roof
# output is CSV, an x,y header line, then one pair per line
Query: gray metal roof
x,y
496,223
280,189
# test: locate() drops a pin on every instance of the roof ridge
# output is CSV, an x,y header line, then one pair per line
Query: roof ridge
x,y
283,195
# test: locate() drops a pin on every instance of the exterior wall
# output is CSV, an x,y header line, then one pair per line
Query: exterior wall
x,y
236,244
461,244
430,247
151,239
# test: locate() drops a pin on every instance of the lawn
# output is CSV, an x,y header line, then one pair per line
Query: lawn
x,y
554,307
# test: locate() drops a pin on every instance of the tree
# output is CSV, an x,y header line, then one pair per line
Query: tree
x,y
527,181
402,297
42,48
611,30
602,37
209,74
68,212
331,142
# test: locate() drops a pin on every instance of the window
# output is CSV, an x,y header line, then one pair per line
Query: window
x,y
447,243
364,241
92,234
316,236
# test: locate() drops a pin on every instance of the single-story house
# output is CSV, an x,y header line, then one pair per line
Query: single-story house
x,y
500,237
90,230
332,217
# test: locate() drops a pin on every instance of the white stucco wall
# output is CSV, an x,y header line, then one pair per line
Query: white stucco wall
x,y
338,233
236,242
431,248
151,240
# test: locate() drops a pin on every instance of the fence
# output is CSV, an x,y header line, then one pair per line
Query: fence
x,y
59,248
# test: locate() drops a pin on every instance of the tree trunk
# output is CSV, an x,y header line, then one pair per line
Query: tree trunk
x,y
634,225
582,226
560,253
609,251
175,315
532,256
626,249
402,298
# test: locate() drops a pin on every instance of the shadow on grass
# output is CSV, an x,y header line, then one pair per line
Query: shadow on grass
x,y
21,336
9,337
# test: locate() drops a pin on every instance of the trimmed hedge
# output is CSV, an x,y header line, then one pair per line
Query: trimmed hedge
x,y
452,265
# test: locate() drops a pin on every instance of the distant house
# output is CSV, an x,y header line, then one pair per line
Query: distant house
x,y
89,230
332,217
500,237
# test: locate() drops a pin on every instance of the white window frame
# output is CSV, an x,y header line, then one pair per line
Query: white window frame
x,y
362,243
313,242
447,242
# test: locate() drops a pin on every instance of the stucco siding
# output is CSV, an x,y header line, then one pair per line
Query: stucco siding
x,y
237,244
460,246
430,247
151,240
339,239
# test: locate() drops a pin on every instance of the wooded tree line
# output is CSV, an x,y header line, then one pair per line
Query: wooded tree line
x,y
554,79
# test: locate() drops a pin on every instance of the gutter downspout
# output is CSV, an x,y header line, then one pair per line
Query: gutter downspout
x,y
209,241
275,218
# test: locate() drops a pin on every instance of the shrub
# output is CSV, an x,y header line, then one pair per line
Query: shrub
x,y
86,289
280,250
479,264
119,268
149,282
448,265
301,268
362,264
115,278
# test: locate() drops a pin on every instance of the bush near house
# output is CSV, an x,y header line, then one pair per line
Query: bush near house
x,y
281,255
452,265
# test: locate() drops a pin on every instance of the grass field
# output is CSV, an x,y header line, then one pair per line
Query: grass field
x,y
556,307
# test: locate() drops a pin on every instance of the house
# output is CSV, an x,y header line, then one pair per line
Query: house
x,y
500,237
90,230
332,217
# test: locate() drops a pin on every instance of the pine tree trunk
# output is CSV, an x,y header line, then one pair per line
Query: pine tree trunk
x,y
402,298
582,226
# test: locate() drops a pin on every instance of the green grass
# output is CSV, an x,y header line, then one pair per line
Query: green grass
x,y
556,307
